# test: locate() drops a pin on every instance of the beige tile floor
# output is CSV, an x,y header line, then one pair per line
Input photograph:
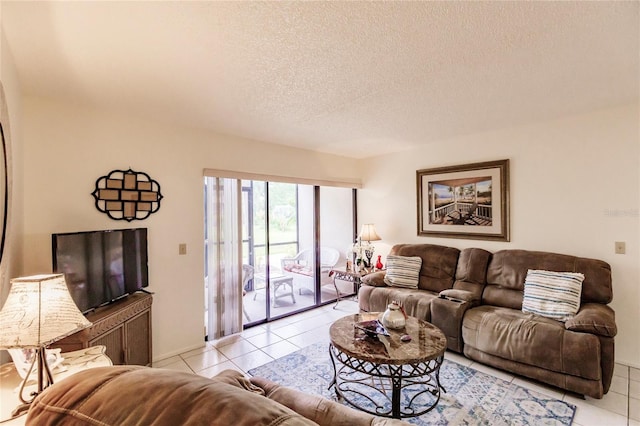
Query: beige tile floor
x,y
264,343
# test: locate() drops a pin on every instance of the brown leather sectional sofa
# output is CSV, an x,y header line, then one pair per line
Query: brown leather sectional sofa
x,y
475,297
142,396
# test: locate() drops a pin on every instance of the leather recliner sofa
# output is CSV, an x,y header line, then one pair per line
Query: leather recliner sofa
x,y
143,396
475,297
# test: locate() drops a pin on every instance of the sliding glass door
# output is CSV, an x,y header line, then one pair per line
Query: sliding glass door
x,y
271,233
336,206
292,235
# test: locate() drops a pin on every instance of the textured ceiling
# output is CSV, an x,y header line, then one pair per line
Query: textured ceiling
x,y
349,78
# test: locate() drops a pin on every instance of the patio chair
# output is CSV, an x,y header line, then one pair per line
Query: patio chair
x,y
460,218
301,266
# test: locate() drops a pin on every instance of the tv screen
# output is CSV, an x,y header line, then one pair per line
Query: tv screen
x,y
101,266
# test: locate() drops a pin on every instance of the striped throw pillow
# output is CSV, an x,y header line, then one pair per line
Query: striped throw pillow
x,y
552,294
403,271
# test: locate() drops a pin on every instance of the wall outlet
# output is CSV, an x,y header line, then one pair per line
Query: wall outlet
x,y
182,249
621,247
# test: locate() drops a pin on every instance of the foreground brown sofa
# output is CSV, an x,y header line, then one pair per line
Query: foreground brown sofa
x,y
132,395
476,297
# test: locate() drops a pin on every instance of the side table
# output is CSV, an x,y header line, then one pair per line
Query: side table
x,y
277,282
73,362
349,276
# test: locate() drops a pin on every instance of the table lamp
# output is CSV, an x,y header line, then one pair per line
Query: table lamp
x,y
38,311
368,233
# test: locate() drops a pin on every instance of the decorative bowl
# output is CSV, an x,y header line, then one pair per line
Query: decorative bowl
x,y
371,328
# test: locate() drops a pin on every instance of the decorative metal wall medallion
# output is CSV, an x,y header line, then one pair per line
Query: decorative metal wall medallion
x,y
127,195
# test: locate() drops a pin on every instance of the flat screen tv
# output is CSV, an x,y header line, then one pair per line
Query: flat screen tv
x,y
101,266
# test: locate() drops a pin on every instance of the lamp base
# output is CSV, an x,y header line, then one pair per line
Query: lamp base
x,y
20,410
45,379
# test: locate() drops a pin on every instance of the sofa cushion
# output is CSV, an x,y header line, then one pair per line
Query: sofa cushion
x,y
508,269
133,395
298,268
532,340
438,264
415,302
403,271
472,265
319,409
551,294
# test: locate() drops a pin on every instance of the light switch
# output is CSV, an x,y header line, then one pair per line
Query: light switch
x,y
182,249
621,247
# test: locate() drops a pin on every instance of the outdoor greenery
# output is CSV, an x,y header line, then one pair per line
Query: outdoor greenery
x,y
283,235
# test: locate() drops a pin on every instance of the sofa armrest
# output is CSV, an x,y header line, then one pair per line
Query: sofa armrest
x,y
375,279
459,296
318,409
135,395
447,311
594,318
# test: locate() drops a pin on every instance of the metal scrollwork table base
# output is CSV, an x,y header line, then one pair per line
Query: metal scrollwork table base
x,y
384,376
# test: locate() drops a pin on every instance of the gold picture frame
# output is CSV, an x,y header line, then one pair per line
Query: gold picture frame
x,y
466,201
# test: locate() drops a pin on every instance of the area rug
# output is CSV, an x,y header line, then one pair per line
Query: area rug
x,y
471,398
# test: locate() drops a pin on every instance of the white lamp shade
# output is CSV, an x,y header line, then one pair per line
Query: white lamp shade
x,y
368,233
39,311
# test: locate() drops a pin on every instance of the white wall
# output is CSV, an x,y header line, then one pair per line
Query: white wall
x,y
66,149
11,261
574,186
12,257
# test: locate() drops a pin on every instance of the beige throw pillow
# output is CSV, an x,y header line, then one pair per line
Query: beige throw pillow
x,y
550,294
403,271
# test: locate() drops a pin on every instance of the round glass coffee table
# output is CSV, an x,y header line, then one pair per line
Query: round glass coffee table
x,y
383,375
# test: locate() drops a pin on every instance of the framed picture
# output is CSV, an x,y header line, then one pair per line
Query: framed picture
x,y
466,201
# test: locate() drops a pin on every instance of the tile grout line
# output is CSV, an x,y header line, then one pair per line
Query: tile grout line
x,y
628,396
187,364
314,320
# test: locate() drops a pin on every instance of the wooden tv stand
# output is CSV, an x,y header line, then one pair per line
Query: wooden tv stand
x,y
124,327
